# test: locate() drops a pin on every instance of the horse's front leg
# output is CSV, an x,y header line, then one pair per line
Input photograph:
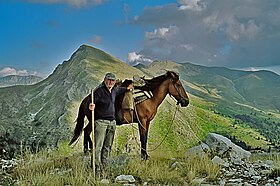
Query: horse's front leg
x,y
143,130
87,139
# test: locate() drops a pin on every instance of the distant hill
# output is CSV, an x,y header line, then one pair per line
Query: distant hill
x,y
258,89
11,80
43,114
251,98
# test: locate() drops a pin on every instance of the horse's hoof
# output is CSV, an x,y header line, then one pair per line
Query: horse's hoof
x,y
145,157
86,151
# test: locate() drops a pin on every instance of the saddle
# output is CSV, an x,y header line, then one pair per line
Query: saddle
x,y
125,105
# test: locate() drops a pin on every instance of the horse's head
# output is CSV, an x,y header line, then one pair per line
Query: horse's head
x,y
177,90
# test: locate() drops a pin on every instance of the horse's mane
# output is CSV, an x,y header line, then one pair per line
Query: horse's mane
x,y
151,84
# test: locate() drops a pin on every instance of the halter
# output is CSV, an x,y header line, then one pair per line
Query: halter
x,y
176,86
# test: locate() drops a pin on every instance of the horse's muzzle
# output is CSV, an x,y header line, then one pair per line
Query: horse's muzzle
x,y
184,102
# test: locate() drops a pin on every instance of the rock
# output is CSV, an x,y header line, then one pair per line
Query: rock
x,y
238,180
256,178
198,181
175,165
219,161
200,150
222,146
105,181
125,179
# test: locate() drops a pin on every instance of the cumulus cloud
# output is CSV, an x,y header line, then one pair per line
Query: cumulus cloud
x,y
12,71
75,3
134,59
240,33
195,5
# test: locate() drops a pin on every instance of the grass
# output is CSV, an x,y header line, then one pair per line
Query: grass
x,y
65,167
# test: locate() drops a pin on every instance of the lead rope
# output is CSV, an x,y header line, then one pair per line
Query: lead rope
x,y
177,107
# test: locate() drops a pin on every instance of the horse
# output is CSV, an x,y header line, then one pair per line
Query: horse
x,y
143,113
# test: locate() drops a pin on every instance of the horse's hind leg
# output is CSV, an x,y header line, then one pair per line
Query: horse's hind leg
x,y
87,139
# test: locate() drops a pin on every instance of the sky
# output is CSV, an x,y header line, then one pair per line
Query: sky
x,y
37,35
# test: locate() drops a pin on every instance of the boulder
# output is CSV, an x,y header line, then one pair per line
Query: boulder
x,y
200,150
223,147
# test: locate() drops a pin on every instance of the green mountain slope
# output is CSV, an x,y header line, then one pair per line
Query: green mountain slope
x,y
43,115
251,98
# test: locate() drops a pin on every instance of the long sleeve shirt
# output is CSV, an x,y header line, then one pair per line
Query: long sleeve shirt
x,y
105,102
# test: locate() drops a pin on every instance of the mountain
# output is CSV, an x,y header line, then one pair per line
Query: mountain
x,y
259,89
43,115
19,80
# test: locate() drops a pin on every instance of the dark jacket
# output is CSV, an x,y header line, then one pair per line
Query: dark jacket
x,y
105,102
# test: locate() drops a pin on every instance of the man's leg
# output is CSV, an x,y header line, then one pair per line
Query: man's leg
x,y
99,134
108,142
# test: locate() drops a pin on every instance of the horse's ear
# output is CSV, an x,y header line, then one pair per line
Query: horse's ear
x,y
173,75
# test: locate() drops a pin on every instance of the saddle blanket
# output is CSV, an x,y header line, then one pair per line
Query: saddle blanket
x,y
140,95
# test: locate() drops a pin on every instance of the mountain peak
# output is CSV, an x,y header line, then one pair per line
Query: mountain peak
x,y
87,51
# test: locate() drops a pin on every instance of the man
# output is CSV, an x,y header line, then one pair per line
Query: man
x,y
104,115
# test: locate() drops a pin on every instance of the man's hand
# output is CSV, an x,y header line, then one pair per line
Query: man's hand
x,y
91,106
130,87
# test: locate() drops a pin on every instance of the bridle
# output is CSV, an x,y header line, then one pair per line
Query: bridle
x,y
179,91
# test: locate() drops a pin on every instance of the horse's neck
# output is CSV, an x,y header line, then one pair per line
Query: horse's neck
x,y
160,92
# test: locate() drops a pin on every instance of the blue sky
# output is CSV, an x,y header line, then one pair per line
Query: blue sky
x,y
37,35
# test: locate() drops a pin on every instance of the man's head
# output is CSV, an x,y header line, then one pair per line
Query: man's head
x,y
110,80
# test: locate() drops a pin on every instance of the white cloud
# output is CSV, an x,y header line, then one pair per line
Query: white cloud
x,y
133,59
157,33
75,3
12,71
196,5
8,71
161,37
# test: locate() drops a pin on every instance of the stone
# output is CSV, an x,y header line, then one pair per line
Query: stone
x,y
200,150
239,180
105,181
175,165
222,146
256,178
198,181
125,179
217,160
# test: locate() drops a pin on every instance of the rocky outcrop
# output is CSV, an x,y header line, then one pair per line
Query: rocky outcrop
x,y
233,160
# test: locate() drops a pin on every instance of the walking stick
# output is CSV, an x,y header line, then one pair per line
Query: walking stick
x,y
93,144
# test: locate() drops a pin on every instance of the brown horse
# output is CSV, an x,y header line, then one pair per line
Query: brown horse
x,y
144,111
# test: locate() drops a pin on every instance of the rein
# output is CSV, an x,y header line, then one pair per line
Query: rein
x,y
172,121
179,92
177,108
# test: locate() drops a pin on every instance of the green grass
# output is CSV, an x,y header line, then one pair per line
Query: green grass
x,y
65,167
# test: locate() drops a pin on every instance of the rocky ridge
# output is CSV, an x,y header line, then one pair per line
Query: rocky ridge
x,y
235,167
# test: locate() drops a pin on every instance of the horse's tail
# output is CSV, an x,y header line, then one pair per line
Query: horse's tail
x,y
79,126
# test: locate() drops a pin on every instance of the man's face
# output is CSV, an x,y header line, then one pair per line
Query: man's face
x,y
109,83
